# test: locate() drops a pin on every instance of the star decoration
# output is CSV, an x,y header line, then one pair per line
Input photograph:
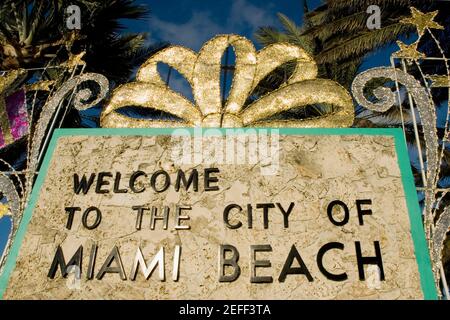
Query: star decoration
x,y
75,60
439,81
422,21
4,210
408,51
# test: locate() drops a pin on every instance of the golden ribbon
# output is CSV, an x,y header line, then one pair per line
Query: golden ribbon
x,y
202,71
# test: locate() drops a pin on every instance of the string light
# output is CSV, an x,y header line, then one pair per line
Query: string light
x,y
17,202
435,231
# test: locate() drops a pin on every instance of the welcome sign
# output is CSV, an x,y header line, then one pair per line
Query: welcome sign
x,y
222,214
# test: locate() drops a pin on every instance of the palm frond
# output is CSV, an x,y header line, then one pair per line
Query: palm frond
x,y
355,21
269,35
360,44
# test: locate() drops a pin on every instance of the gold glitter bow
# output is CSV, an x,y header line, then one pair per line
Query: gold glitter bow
x,y
202,71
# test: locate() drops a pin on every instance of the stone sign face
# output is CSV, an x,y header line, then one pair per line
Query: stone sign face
x,y
257,214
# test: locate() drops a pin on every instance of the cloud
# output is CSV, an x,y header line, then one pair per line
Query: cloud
x,y
246,15
243,18
193,33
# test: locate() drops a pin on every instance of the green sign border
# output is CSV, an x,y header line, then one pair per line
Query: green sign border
x,y
415,215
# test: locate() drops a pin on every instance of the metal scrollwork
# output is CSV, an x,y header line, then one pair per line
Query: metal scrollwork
x,y
425,106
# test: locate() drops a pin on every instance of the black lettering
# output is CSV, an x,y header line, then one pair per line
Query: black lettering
x,y
377,260
117,183
259,264
139,214
324,249
60,261
133,179
101,182
181,177
210,179
286,213
231,262
265,207
92,256
362,212
288,269
98,218
114,256
166,180
82,185
71,211
330,213
226,213
250,216
164,217
179,217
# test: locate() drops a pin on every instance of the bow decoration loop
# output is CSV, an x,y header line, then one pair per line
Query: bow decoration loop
x,y
202,71
179,58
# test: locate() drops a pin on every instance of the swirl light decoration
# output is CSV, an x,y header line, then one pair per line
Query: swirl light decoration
x,y
427,113
82,99
436,216
202,71
50,107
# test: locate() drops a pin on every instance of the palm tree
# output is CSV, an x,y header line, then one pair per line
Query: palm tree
x,y
337,36
34,34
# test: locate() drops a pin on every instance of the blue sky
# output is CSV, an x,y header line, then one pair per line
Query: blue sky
x,y
5,227
192,22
